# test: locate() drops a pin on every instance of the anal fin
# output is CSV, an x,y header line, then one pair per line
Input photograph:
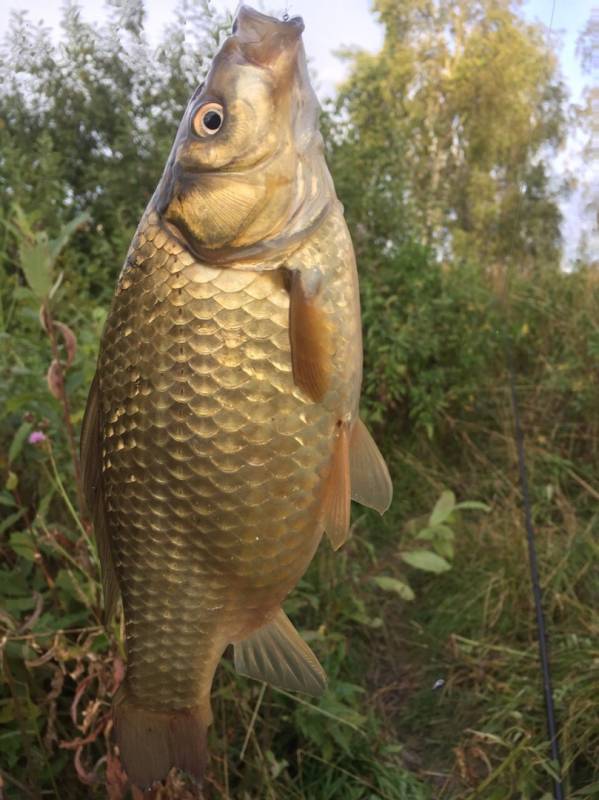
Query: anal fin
x,y
277,654
370,482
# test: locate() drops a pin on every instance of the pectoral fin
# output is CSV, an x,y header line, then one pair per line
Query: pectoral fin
x,y
337,493
310,335
277,654
370,482
91,467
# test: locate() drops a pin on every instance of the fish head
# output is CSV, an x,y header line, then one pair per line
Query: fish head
x,y
237,173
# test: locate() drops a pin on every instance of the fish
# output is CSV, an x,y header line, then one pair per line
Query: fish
x,y
222,435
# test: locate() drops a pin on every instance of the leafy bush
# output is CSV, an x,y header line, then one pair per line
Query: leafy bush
x,y
430,336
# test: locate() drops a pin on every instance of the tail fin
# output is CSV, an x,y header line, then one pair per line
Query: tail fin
x,y
151,743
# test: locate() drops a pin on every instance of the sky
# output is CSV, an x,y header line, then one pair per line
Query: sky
x,y
334,24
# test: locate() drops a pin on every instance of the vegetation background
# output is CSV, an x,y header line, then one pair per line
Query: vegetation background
x,y
440,146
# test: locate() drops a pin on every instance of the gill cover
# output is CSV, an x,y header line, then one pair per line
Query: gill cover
x,y
259,173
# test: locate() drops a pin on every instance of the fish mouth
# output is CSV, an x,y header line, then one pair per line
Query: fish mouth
x,y
256,26
264,39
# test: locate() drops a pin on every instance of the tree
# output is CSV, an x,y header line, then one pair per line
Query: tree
x,y
87,123
586,49
453,123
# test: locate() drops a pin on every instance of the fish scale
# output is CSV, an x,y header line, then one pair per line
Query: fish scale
x,y
213,459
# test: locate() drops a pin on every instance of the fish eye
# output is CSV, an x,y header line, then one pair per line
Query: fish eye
x,y
208,119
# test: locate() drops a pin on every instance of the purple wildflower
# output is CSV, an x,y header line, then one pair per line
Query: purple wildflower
x,y
36,437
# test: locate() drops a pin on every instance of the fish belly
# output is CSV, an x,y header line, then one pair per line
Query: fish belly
x,y
213,462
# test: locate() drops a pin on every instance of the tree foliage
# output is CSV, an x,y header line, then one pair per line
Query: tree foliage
x,y
454,122
86,123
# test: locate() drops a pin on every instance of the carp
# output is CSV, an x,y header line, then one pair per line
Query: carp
x,y
222,436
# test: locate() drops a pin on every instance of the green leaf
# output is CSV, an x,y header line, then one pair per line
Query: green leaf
x,y
425,560
473,504
44,503
443,508
14,583
6,499
393,585
10,520
56,245
19,440
100,644
23,545
444,548
16,604
7,711
436,532
67,583
36,266
12,481
587,791
37,255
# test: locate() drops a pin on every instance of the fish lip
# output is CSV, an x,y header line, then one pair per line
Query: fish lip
x,y
263,40
247,13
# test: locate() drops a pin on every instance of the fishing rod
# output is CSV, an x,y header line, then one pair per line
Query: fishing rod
x,y
558,789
